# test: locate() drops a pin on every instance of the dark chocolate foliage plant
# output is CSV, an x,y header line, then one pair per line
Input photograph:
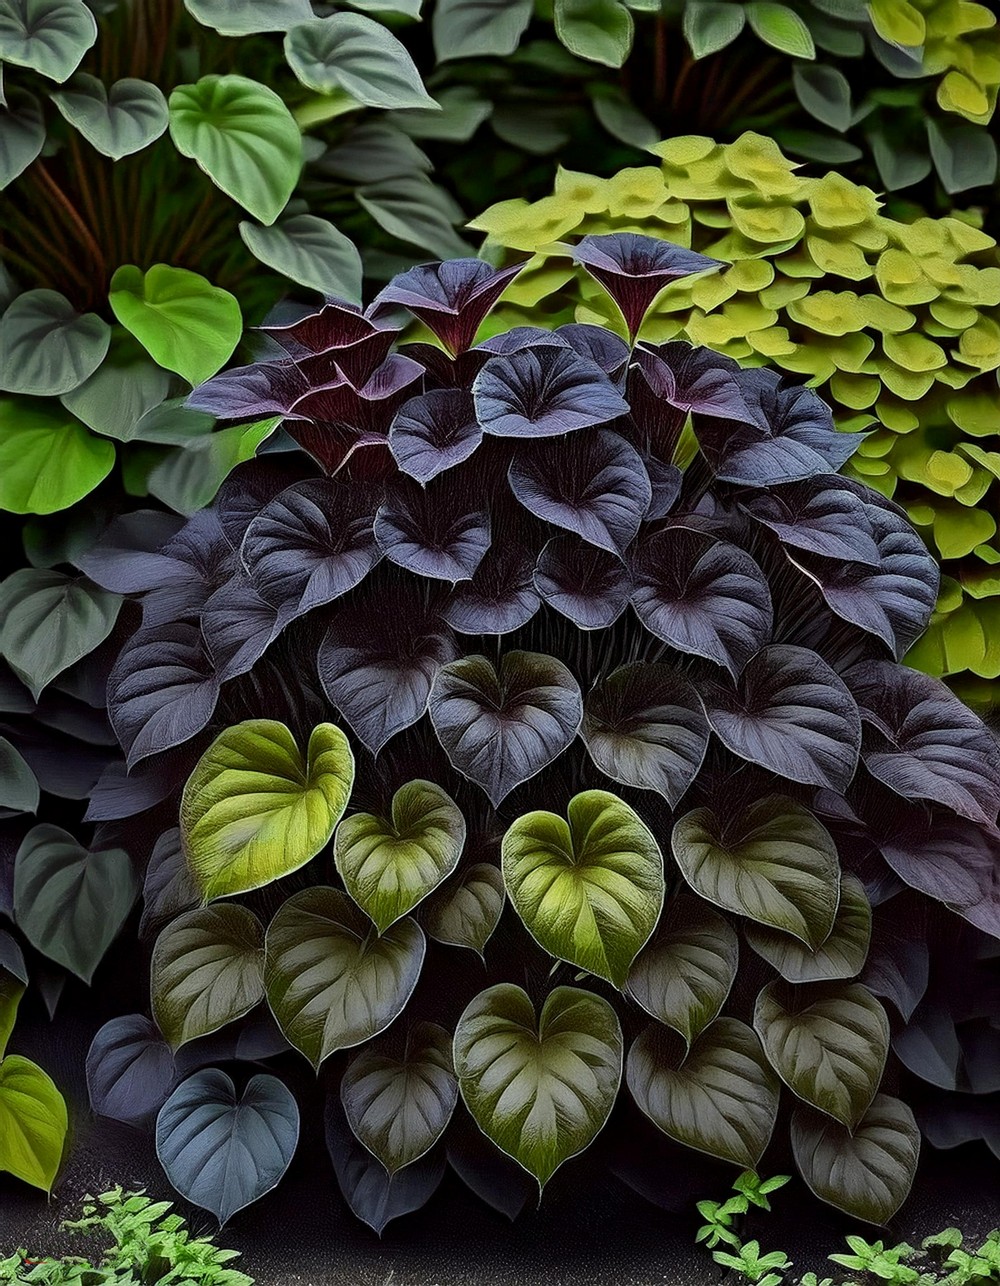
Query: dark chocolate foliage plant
x,y
576,655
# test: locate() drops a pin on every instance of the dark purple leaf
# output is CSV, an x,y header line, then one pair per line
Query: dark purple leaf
x,y
666,481
898,964
644,726
517,339
951,1120
205,560
169,889
543,393
337,334
792,715
312,543
704,597
595,484
238,627
444,370
251,486
64,765
588,585
923,743
120,793
378,660
820,515
697,379
130,1070
252,1039
434,432
633,269
500,728
929,1045
162,690
604,347
501,595
492,1175
367,407
433,531
451,298
126,559
251,392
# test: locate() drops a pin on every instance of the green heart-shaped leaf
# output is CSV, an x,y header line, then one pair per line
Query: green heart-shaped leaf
x,y
18,784
388,866
541,1088
828,1041
358,55
842,955
683,976
867,1172
332,982
598,30
310,251
22,136
207,970
720,1098
774,863
399,1107
184,322
119,121
244,138
49,36
48,460
121,391
247,17
589,891
33,1123
466,911
255,808
48,347
13,981
188,479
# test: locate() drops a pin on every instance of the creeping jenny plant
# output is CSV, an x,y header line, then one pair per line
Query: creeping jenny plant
x,y
574,652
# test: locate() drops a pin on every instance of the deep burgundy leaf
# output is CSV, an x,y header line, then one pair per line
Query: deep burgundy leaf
x,y
501,595
792,715
337,334
588,585
443,370
130,1070
604,347
697,379
252,485
594,484
126,559
645,727
499,728
633,269
120,793
251,392
451,298
434,531
543,393
368,406
239,626
704,597
820,515
434,432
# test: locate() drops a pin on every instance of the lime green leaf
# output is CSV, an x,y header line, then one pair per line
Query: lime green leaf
x,y
358,55
22,136
540,1088
12,990
117,121
310,251
898,22
466,911
781,28
189,477
33,1123
710,25
48,347
184,322
18,784
48,460
589,890
244,138
599,30
49,36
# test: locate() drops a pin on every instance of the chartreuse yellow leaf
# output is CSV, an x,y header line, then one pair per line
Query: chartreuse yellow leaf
x,y
33,1123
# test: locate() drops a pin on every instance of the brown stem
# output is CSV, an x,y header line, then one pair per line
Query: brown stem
x,y
86,236
198,226
660,61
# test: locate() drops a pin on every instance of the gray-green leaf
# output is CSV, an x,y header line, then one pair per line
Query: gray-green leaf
x,y
465,912
467,28
49,36
48,347
121,391
119,121
18,784
599,30
417,211
247,17
310,251
710,25
358,55
825,93
22,136
842,955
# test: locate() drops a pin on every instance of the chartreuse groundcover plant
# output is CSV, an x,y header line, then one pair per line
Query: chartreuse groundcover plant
x,y
897,324
572,652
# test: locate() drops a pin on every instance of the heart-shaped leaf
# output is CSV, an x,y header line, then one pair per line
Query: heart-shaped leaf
x,y
130,1070
721,1097
244,138
465,28
499,728
587,584
828,1041
222,1150
255,808
207,970
866,1172
792,714
590,889
389,865
121,391
494,1177
309,251
182,320
357,55
13,981
22,136
436,531
544,392
48,460
48,347
70,904
50,621
19,789
116,121
247,17
822,516
33,1123
49,36
843,953
501,595
434,432
774,863
399,1107
466,911
542,1087
898,965
684,975
704,597
452,299
645,727
169,889
332,981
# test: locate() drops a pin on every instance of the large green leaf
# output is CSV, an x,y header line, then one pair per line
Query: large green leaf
x,y
417,211
589,890
720,1098
188,479
247,17
255,808
774,863
598,30
49,36
49,620
70,904
828,1041
465,912
868,1172
48,460
468,28
388,865
683,976
244,138
207,970
121,391
540,1088
116,121
310,251
350,52
47,347
22,136
781,28
710,25
18,784
842,955
399,1107
184,322
332,981
33,1123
